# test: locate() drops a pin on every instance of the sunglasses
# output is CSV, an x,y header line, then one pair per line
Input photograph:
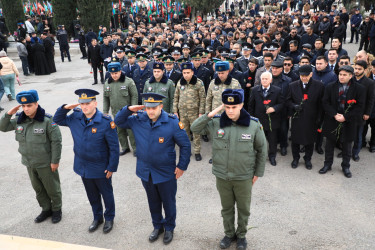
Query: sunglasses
x,y
287,64
344,63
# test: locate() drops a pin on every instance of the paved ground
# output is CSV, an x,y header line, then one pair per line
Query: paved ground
x,y
291,208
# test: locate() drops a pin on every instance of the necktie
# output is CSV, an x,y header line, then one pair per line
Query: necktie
x,y
304,85
130,67
264,92
332,67
169,74
212,42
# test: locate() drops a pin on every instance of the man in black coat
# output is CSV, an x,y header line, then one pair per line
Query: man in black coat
x,y
199,70
249,77
141,74
170,72
342,104
305,107
266,103
95,60
243,61
292,36
50,52
368,84
62,37
371,120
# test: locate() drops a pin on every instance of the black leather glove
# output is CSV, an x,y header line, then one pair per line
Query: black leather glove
x,y
297,107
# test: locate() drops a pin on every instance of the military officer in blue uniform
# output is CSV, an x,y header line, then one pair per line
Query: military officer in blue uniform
x,y
141,74
131,66
96,153
156,134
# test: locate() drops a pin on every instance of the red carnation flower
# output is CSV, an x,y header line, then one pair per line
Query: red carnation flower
x,y
305,97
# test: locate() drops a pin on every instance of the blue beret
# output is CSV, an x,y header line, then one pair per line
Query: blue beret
x,y
86,95
152,99
232,96
28,96
186,65
158,65
114,67
221,66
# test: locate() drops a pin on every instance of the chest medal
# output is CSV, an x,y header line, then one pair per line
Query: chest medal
x,y
93,130
220,133
149,88
182,87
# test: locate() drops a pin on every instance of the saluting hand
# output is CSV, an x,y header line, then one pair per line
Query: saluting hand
x,y
135,108
54,166
71,106
14,110
215,111
109,174
178,172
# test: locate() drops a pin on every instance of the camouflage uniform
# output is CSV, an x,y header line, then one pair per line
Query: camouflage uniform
x,y
189,102
216,88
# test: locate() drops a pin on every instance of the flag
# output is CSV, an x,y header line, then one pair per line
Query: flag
x,y
119,5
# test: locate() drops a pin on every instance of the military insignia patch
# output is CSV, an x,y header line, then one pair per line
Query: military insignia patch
x,y
124,87
220,133
181,125
182,87
245,137
163,89
38,131
108,88
149,88
161,139
216,88
113,125
53,124
93,130
19,129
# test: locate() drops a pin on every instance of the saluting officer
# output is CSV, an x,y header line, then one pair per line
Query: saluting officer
x,y
189,103
239,155
156,134
96,153
119,91
39,141
160,84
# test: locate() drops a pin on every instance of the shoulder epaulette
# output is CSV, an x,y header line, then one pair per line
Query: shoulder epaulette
x,y
254,118
106,116
217,116
77,109
47,115
172,116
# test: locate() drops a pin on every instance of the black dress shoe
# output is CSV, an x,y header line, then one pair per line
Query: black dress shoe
x,y
356,158
210,161
302,149
325,169
347,172
198,157
43,216
372,149
155,234
124,152
205,138
94,83
283,151
226,241
319,150
1,109
108,225
339,155
308,165
295,163
273,161
241,243
56,216
94,225
168,237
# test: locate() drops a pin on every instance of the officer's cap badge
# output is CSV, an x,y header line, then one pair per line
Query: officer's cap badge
x,y
83,95
219,67
23,99
230,99
150,99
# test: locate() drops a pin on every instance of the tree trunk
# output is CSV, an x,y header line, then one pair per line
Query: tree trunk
x,y
94,13
65,13
13,12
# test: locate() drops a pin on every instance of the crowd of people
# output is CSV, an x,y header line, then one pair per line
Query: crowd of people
x,y
286,68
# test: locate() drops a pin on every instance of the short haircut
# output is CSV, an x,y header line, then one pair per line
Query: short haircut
x,y
322,58
294,42
254,60
288,58
305,57
266,73
332,49
344,57
268,55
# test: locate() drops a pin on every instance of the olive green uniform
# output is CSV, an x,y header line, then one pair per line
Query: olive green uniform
x,y
189,102
39,145
116,96
166,89
239,154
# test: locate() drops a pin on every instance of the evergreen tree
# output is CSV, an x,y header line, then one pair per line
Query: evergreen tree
x,y
13,12
64,12
94,13
204,6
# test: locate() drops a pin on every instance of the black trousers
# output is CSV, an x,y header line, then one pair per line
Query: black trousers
x,y
346,153
95,69
272,142
83,50
356,33
283,133
319,140
364,44
309,149
370,122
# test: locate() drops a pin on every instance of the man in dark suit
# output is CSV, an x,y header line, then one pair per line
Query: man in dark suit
x,y
342,104
368,84
131,66
266,103
141,74
171,73
371,120
214,43
95,60
243,61
304,103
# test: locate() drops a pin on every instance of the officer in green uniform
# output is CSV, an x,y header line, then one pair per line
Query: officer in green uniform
x,y
120,91
39,141
239,150
160,84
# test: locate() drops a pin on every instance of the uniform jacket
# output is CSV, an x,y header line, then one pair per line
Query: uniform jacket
x,y
119,94
96,146
189,98
175,76
216,88
165,87
356,19
140,79
239,149
130,72
209,66
326,76
306,122
39,139
156,154
203,74
242,64
258,109
331,107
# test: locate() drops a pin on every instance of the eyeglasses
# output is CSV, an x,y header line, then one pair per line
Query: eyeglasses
x,y
344,63
287,64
